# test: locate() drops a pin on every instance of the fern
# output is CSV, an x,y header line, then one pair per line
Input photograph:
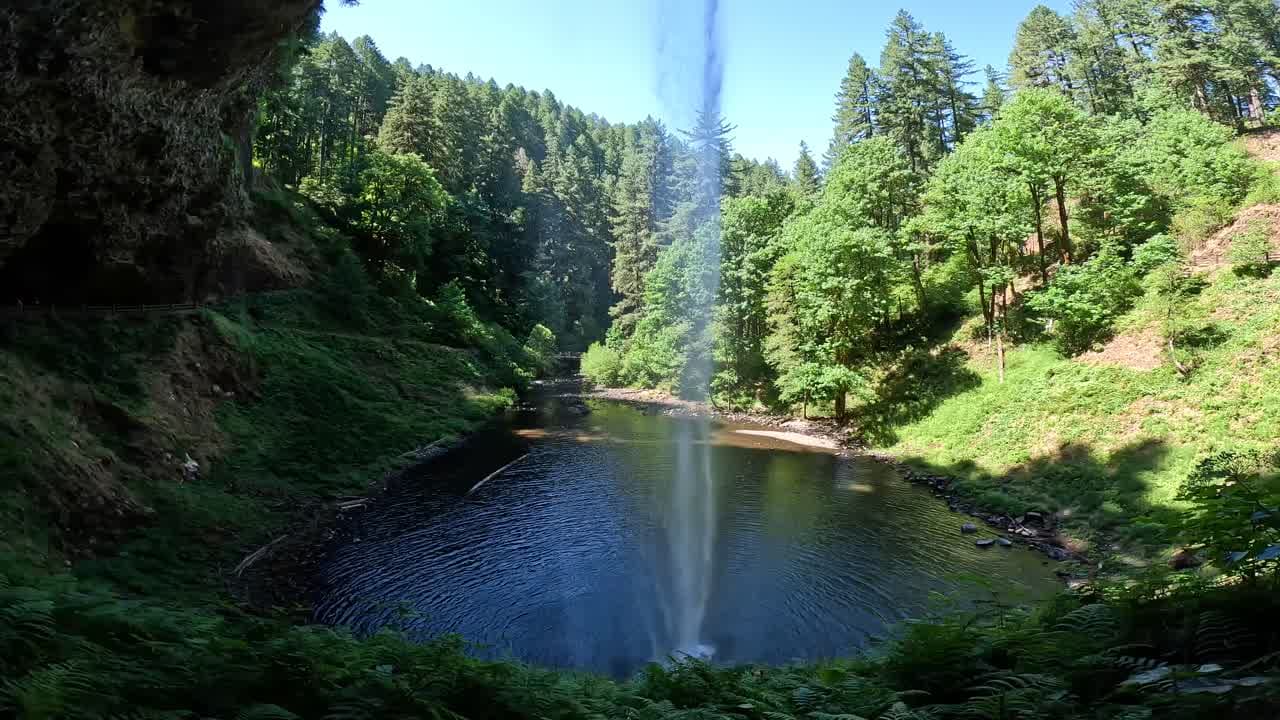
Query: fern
x,y
266,712
900,711
1220,638
1096,621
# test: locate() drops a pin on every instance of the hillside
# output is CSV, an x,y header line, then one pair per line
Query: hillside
x,y
158,449
1105,438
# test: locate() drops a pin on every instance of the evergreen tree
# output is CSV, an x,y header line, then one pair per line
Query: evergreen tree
x,y
1041,52
957,108
804,177
994,93
908,96
639,208
855,116
408,127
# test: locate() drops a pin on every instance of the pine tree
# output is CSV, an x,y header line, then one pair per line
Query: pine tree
x,y
1041,52
375,86
908,100
1186,56
1107,71
855,116
994,94
710,148
407,126
639,208
957,107
805,181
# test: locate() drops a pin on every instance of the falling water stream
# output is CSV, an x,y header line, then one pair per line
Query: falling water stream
x,y
695,81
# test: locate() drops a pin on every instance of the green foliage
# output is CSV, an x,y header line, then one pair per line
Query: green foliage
x,y
1158,251
1190,159
601,364
827,295
74,649
1084,300
1234,511
1200,218
1249,249
540,348
346,292
399,204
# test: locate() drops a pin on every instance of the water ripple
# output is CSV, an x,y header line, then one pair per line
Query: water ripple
x,y
559,559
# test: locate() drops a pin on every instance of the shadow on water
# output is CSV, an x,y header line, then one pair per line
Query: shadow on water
x,y
557,560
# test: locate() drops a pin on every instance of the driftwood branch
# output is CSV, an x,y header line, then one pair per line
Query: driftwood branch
x,y
494,474
257,555
422,450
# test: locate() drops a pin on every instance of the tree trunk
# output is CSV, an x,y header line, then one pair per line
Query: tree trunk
x,y
1060,189
244,151
1004,314
1000,354
918,281
840,407
1255,104
1035,207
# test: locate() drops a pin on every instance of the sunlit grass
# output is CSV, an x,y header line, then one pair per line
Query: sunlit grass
x,y
1109,445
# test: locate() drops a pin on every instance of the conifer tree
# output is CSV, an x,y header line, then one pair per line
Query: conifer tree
x,y
804,177
908,98
855,116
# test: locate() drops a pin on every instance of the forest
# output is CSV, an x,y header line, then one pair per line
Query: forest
x,y
403,249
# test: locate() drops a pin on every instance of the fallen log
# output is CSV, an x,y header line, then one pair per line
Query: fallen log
x,y
494,474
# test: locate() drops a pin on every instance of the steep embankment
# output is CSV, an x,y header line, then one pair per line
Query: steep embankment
x,y
155,451
126,127
1105,438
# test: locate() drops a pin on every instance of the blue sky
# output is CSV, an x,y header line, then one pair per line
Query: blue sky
x,y
782,60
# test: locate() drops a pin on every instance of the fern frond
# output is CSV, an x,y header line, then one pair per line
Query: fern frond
x,y
1096,621
266,712
1219,637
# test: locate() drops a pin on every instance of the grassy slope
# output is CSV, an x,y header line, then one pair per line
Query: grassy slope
x,y
1096,438
284,404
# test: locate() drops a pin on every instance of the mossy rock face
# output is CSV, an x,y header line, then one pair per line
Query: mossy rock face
x,y
127,123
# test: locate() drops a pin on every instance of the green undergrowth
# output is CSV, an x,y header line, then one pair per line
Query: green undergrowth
x,y
1105,438
284,407
73,649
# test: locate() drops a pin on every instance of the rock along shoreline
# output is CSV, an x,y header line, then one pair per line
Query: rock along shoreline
x,y
1035,530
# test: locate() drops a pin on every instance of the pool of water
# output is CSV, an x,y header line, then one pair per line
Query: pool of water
x,y
587,551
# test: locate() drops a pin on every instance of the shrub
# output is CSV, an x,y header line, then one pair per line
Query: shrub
x,y
1266,190
1085,299
602,365
1233,515
346,291
1187,156
540,346
1249,249
1201,217
454,320
1156,252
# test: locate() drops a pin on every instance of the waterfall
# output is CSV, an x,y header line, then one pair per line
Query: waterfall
x,y
690,76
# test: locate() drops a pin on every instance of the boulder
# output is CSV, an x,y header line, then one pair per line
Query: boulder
x,y
984,543
190,469
1004,542
968,528
1184,559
